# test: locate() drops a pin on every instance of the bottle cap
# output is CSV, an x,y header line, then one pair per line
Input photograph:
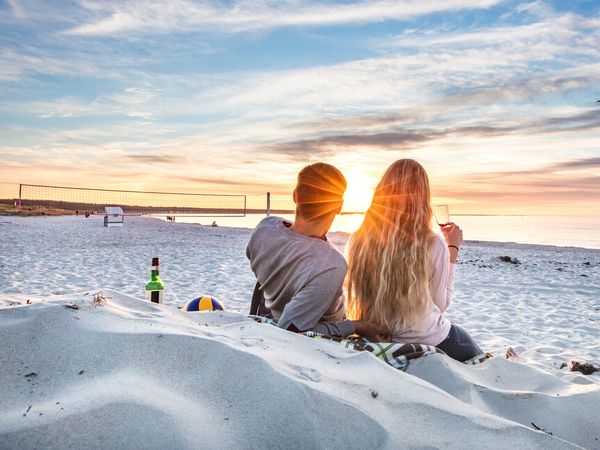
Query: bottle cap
x,y
155,261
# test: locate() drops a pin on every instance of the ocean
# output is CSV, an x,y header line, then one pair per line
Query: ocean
x,y
564,231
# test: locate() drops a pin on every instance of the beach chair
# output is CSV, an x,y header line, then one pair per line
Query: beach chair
x,y
113,216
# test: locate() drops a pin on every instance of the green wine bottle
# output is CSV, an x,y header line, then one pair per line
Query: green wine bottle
x,y
155,287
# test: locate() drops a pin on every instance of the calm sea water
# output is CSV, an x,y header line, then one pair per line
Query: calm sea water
x,y
549,230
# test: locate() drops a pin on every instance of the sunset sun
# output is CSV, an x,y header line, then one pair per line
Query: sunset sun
x,y
359,192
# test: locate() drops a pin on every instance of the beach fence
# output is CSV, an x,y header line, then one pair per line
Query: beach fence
x,y
92,201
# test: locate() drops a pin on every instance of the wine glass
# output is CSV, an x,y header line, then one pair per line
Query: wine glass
x,y
442,215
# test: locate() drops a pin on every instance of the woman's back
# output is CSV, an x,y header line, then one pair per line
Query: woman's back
x,y
434,328
400,273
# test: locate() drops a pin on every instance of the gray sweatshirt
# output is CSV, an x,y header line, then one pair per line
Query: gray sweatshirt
x,y
301,278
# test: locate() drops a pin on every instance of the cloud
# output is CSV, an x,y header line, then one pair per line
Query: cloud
x,y
587,163
16,63
221,181
399,137
540,40
546,182
144,16
532,196
588,119
584,119
494,75
533,192
536,8
153,158
330,145
484,73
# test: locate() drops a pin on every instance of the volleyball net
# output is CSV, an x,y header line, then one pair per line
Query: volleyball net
x,y
133,202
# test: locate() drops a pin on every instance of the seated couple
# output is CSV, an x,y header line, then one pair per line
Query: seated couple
x,y
399,275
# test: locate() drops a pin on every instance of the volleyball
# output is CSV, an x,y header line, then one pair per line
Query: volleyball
x,y
204,303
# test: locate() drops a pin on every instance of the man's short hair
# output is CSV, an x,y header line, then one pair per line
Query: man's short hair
x,y
319,191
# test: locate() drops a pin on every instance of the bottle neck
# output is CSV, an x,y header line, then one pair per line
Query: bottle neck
x,y
154,271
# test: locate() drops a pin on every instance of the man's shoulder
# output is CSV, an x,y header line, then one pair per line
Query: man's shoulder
x,y
269,222
266,235
272,231
266,225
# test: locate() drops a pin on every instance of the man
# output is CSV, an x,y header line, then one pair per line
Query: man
x,y
299,272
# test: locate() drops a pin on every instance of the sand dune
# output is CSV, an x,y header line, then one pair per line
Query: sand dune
x,y
520,393
130,374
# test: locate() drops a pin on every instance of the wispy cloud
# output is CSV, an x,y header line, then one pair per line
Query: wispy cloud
x,y
220,181
111,17
587,163
555,185
154,158
401,138
329,145
33,60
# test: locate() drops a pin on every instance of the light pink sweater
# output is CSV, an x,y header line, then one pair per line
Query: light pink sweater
x,y
441,284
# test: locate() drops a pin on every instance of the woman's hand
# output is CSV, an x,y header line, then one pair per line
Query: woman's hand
x,y
371,331
453,236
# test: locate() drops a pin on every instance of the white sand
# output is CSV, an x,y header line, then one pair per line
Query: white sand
x,y
156,377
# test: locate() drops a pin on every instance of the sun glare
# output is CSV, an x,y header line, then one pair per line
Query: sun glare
x,y
359,192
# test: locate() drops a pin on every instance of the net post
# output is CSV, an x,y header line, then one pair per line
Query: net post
x,y
20,196
268,203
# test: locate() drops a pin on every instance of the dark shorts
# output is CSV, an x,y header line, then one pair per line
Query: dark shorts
x,y
459,344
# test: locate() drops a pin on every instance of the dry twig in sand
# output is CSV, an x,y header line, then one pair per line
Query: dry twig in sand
x,y
99,299
541,429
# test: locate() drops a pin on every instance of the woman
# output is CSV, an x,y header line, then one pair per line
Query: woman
x,y
401,273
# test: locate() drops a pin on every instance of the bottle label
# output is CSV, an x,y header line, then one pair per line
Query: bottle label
x,y
155,296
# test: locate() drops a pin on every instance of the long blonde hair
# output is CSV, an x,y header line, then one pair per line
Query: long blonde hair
x,y
389,263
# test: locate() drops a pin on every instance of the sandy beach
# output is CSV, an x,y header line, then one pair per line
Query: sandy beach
x,y
120,372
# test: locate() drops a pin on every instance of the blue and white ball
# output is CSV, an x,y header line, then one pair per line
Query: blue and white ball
x,y
204,303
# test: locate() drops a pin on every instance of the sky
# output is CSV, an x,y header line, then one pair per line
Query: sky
x,y
497,99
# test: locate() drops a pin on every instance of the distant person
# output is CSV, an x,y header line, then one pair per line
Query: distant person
x,y
401,273
299,272
214,224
